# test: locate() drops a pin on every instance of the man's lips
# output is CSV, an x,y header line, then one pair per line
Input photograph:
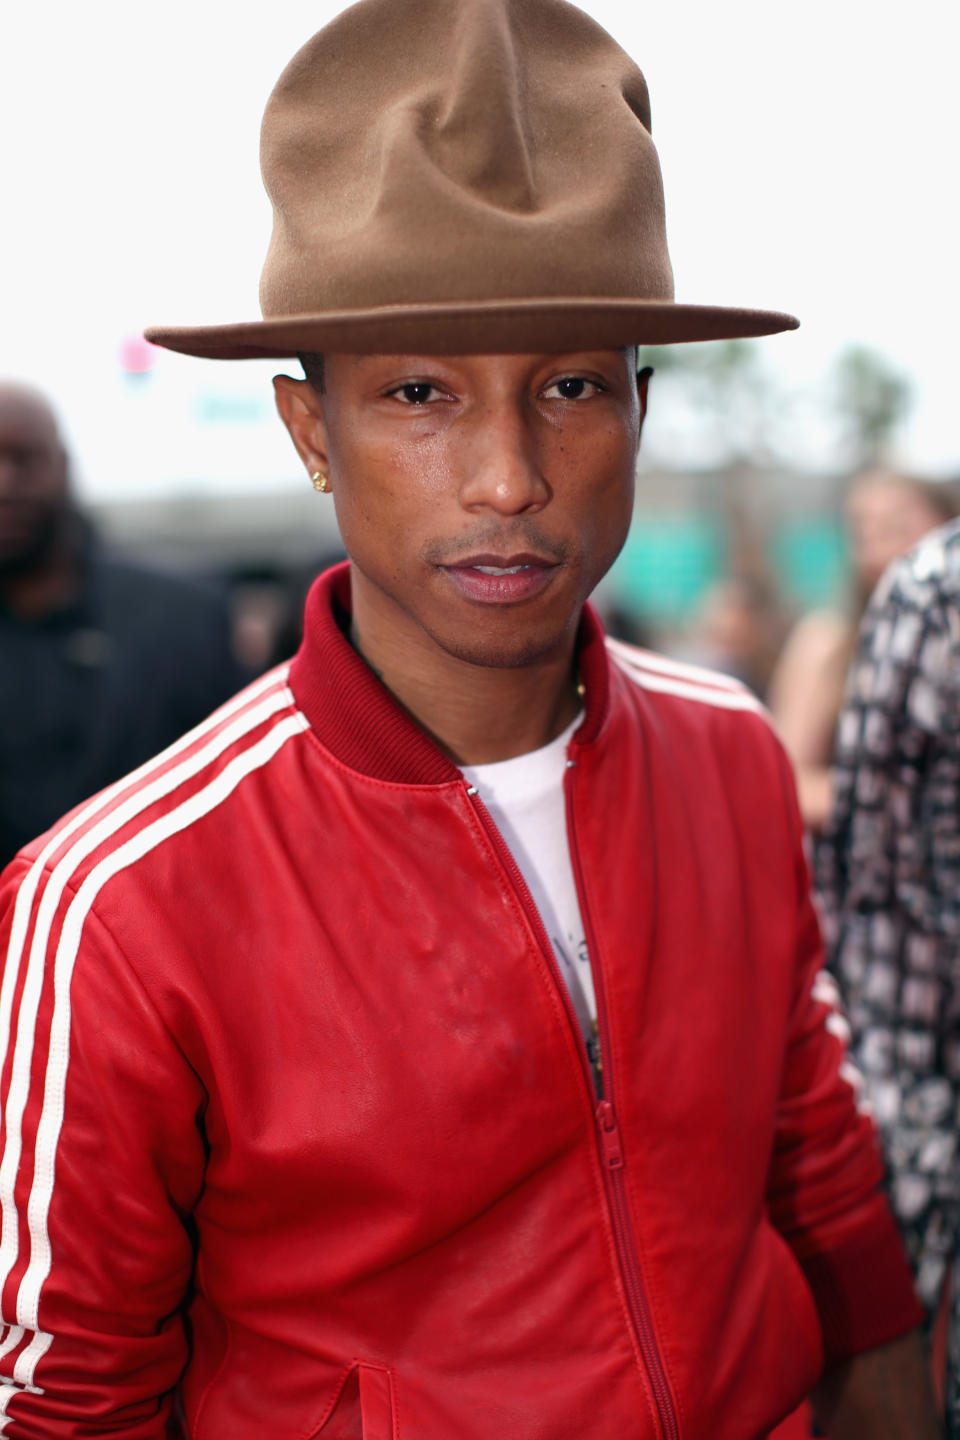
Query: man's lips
x,y
501,579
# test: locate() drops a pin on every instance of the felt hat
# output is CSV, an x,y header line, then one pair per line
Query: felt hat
x,y
463,176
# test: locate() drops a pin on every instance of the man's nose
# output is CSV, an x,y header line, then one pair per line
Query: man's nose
x,y
502,464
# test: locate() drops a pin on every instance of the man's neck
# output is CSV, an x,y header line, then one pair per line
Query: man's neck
x,y
477,714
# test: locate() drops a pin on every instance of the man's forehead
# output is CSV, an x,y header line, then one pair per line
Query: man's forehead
x,y
474,359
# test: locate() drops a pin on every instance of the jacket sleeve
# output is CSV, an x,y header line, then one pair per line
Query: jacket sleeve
x,y
101,1166
824,1188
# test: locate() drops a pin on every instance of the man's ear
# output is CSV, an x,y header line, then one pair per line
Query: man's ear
x,y
643,385
301,410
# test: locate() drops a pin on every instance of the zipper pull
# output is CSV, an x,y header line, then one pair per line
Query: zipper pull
x,y
609,1135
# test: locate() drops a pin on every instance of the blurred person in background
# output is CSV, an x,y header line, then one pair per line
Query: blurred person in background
x,y
885,514
738,630
288,632
102,663
888,871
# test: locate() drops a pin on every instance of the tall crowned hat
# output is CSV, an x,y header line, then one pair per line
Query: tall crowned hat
x,y
463,176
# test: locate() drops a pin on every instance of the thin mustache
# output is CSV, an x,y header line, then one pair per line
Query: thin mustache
x,y
516,541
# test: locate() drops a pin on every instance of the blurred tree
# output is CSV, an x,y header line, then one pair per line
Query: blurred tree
x,y
725,400
728,389
731,396
870,398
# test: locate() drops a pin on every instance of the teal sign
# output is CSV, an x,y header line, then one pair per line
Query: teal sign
x,y
667,564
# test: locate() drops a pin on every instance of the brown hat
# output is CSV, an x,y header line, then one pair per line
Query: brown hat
x,y
462,176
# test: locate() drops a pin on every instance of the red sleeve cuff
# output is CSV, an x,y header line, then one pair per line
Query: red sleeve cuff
x,y
863,1290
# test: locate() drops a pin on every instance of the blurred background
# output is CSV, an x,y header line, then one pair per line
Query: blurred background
x,y
807,154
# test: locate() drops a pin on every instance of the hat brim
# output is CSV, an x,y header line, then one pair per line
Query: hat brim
x,y
478,327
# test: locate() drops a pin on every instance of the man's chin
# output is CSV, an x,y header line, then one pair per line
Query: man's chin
x,y
505,652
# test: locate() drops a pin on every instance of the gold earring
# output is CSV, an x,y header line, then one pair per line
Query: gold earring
x,y
320,483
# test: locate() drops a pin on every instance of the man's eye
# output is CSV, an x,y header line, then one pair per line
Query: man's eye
x,y
572,387
415,392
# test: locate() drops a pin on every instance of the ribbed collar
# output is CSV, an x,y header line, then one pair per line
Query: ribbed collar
x,y
360,722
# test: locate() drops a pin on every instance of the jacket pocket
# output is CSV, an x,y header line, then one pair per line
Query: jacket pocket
x,y
365,1408
378,1409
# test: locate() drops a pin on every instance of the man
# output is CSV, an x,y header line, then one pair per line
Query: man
x,y
888,871
434,1036
102,663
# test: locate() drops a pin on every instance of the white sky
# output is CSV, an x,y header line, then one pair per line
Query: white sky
x,y
809,155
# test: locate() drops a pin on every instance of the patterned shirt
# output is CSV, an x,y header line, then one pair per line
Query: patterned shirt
x,y
888,872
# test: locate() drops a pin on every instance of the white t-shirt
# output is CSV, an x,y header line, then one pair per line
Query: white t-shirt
x,y
525,799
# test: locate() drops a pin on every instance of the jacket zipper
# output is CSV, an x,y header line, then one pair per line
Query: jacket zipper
x,y
608,1131
629,1267
613,1167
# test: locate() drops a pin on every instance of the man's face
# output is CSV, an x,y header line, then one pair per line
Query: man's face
x,y
33,480
480,497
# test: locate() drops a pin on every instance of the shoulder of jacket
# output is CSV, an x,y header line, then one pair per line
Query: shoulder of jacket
x,y
166,796
694,684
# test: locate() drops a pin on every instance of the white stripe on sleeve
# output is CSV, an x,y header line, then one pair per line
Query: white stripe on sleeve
x,y
58,1057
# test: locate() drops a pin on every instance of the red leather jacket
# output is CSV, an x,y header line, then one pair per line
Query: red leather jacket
x,y
296,1113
